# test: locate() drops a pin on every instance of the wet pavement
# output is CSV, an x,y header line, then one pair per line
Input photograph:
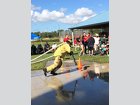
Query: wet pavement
x,y
72,87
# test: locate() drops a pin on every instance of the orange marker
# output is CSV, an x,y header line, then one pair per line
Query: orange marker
x,y
79,64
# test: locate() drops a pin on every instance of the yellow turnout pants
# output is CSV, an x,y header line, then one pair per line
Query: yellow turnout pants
x,y
56,65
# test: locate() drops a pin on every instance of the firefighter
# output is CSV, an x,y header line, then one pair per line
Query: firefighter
x,y
59,55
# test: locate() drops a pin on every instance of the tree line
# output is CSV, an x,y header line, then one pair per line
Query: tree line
x,y
47,34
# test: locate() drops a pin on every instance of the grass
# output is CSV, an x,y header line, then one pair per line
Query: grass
x,y
50,41
40,65
97,58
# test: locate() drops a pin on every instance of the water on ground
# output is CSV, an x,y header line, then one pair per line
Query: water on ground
x,y
72,86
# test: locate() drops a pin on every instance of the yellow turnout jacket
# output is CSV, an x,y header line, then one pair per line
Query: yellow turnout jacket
x,y
62,50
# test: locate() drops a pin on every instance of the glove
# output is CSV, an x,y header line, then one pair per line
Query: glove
x,y
71,53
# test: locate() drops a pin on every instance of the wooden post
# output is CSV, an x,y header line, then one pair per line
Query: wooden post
x,y
72,37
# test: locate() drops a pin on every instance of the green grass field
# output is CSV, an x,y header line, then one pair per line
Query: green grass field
x,y
40,65
96,58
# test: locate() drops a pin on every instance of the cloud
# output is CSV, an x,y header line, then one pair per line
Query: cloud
x,y
46,15
33,7
78,16
70,19
81,14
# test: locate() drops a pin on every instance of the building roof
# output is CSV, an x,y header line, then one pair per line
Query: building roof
x,y
100,19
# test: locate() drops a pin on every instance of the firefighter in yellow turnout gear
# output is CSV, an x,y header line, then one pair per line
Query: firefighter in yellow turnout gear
x,y
59,55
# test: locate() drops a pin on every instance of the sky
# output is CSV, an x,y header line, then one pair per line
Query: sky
x,y
52,15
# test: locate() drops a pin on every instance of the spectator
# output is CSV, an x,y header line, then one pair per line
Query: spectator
x,y
39,49
85,38
46,47
78,39
103,49
54,46
33,49
66,38
96,45
75,41
101,40
89,35
90,44
82,52
107,49
105,39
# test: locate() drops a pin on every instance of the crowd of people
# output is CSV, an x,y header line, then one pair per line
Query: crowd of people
x,y
92,44
39,49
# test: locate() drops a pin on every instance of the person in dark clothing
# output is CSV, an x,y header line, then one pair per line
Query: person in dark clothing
x,y
85,38
46,47
82,52
90,43
33,49
103,39
78,39
40,49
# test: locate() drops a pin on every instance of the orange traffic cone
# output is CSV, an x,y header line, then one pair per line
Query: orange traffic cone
x,y
79,64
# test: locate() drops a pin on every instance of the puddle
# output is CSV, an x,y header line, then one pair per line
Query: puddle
x,y
87,87
62,94
97,70
81,91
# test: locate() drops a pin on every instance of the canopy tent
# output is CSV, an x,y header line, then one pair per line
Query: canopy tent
x,y
34,37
